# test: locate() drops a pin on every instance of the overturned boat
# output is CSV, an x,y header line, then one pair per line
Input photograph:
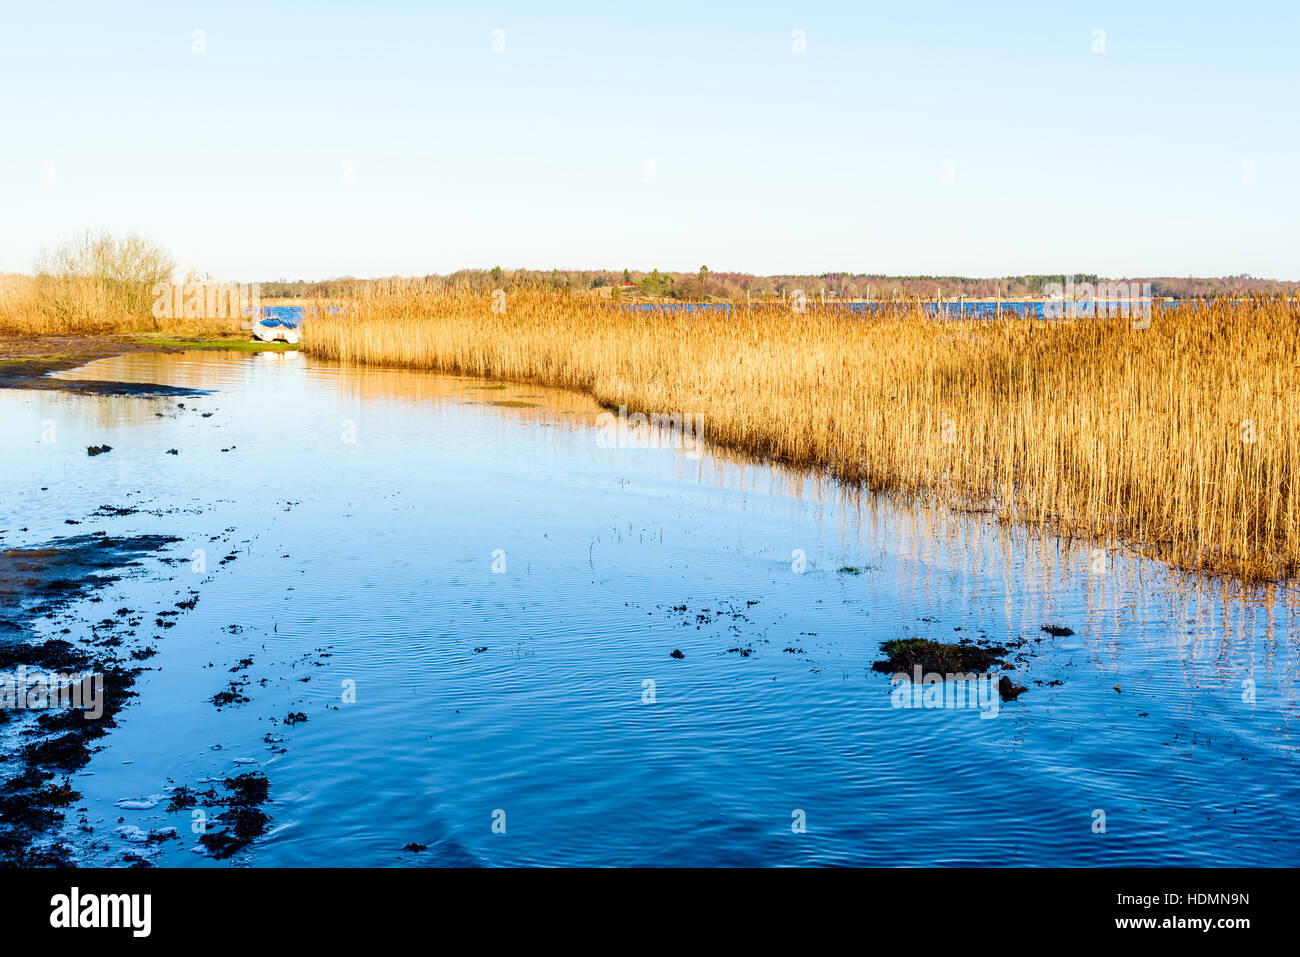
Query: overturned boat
x,y
274,329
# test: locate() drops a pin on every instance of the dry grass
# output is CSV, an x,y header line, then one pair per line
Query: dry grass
x,y
1091,428
51,305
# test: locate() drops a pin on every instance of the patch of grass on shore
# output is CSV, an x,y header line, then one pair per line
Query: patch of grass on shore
x,y
235,343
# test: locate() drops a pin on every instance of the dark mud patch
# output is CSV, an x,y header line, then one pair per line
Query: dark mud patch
x,y
64,739
66,569
58,737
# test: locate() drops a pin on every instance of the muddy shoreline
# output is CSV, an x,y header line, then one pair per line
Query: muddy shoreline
x,y
38,584
27,363
48,593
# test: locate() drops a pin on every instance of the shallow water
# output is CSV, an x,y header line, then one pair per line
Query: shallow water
x,y
386,524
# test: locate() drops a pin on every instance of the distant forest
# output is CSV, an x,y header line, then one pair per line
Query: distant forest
x,y
705,284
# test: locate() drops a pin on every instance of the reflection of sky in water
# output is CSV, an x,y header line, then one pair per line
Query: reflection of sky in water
x,y
380,551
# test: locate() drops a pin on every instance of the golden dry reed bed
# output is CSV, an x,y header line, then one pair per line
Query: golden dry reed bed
x,y
98,284
46,305
1180,440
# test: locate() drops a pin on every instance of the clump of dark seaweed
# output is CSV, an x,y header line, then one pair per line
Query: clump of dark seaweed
x,y
905,654
244,820
232,695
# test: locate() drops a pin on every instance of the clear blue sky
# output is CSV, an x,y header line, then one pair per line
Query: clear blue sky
x,y
314,140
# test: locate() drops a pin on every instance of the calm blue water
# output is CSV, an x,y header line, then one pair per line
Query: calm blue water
x,y
500,590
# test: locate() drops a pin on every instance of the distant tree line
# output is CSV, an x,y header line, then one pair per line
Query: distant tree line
x,y
706,284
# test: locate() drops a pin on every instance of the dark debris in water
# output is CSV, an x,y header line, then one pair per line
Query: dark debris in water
x,y
904,654
243,819
230,696
1009,691
184,797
